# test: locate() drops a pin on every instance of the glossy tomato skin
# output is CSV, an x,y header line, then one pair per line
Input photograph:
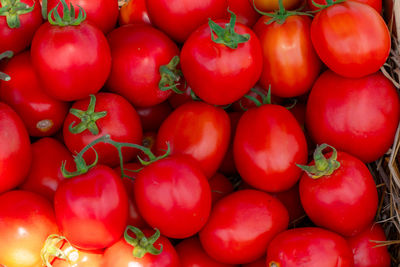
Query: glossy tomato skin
x,y
72,61
192,254
45,174
26,220
351,38
133,11
15,152
138,52
267,146
364,250
121,122
358,116
216,73
120,254
241,225
95,202
152,117
198,130
42,114
345,201
245,12
309,247
17,39
290,63
376,4
79,258
173,195
179,18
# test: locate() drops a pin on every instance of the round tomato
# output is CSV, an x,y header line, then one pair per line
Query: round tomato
x,y
133,11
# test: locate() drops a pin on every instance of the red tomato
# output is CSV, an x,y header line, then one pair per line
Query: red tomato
x,y
15,152
198,130
257,92
219,74
120,121
17,39
258,263
71,61
241,225
358,116
220,187
245,12
309,247
42,115
291,200
290,63
267,145
365,252
192,254
178,99
92,208
78,258
272,5
133,11
376,4
138,52
26,220
152,117
173,195
179,18
45,174
351,38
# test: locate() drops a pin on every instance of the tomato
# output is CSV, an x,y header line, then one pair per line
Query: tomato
x,y
258,263
71,61
152,117
173,195
246,14
351,38
291,200
45,174
217,73
267,145
133,11
179,18
365,248
376,4
309,247
26,220
358,116
18,37
198,130
178,99
192,254
220,187
78,258
109,114
138,52
15,152
94,202
272,5
241,225
42,115
290,63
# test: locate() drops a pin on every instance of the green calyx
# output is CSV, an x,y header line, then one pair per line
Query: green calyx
x,y
141,244
265,99
227,35
328,4
7,54
12,9
323,166
88,118
69,18
170,76
51,250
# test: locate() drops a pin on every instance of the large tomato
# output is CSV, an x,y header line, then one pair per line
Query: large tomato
x,y
358,116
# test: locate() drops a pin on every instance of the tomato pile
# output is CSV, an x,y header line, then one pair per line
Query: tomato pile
x,y
193,133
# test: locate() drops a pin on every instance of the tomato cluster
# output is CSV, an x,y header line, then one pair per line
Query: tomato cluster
x,y
193,133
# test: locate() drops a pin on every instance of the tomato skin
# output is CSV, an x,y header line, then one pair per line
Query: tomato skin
x,y
18,39
309,247
258,263
79,258
267,145
72,61
95,202
220,187
13,151
365,254
272,5
291,200
216,73
198,130
42,115
138,51
351,38
152,117
290,63
241,225
26,220
352,115
376,4
244,11
173,195
133,11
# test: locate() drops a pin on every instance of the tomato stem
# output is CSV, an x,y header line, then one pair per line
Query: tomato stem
x,y
69,18
265,99
141,243
6,54
12,9
170,76
51,250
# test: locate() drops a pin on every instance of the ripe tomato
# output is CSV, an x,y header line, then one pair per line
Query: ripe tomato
x,y
246,14
220,187
351,38
133,11
291,200
376,4
94,202
358,116
15,152
267,145
42,114
241,225
309,247
152,117
272,5
26,220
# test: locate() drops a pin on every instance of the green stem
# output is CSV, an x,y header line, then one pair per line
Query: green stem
x,y
12,9
44,9
69,18
6,54
51,250
141,244
170,76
